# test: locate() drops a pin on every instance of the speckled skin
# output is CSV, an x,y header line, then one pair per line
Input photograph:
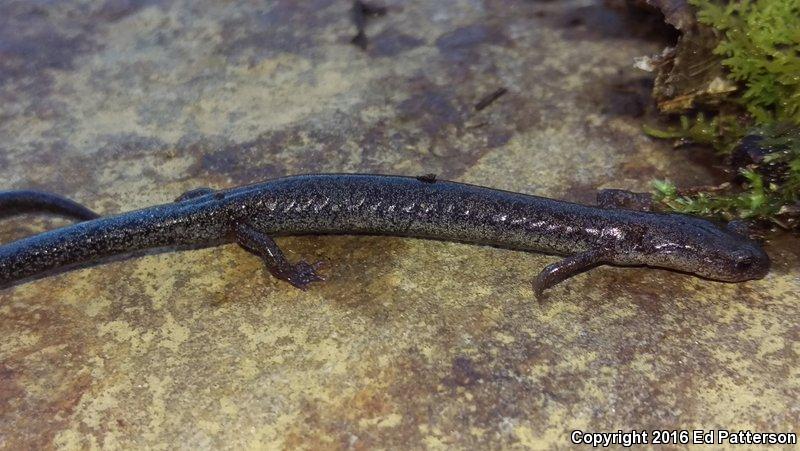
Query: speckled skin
x,y
402,206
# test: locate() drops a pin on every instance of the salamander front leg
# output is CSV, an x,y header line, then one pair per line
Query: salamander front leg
x,y
191,194
300,275
568,267
628,200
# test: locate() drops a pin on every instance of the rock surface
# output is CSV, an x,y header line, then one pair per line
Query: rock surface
x,y
122,104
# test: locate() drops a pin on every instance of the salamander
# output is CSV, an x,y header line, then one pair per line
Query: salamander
x,y
422,207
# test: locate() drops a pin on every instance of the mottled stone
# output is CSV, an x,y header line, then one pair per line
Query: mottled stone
x,y
409,343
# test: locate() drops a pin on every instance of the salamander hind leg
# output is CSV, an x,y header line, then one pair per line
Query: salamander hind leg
x,y
300,275
568,267
30,201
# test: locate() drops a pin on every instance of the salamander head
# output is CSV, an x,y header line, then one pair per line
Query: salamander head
x,y
697,246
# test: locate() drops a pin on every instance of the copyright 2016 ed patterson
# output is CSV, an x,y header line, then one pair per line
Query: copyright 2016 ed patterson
x,y
681,437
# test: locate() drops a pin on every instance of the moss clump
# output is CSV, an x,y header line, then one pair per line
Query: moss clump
x,y
757,128
760,45
769,160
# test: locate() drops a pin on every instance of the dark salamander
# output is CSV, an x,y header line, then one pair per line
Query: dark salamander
x,y
401,206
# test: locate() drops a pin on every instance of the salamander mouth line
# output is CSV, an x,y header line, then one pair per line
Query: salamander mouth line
x,y
363,204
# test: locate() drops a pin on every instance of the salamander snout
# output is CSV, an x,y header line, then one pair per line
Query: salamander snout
x,y
729,257
749,262
703,248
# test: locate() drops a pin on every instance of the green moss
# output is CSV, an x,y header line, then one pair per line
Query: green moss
x,y
760,45
770,190
721,131
753,203
760,42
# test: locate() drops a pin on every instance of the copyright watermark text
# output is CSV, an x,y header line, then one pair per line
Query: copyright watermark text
x,y
681,437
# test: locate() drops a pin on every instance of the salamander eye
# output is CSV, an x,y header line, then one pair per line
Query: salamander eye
x,y
743,261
